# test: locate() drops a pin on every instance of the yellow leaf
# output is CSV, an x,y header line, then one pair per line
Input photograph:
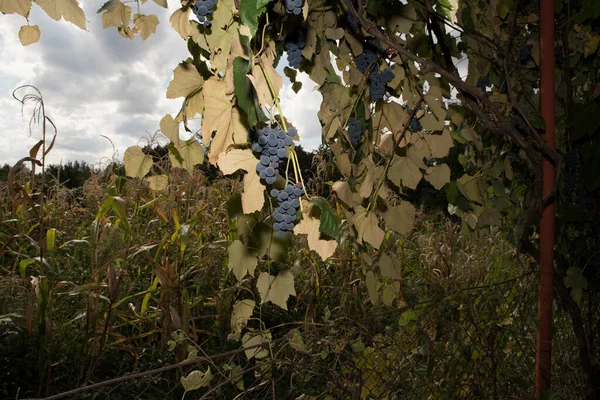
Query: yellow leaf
x,y
137,164
115,14
372,284
220,115
180,21
240,261
254,339
220,38
345,193
190,151
162,3
20,7
404,171
276,289
29,34
260,83
438,176
310,227
440,144
146,24
400,218
242,311
367,226
186,80
158,183
389,266
253,197
67,9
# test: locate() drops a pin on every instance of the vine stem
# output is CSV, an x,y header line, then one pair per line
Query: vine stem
x,y
388,163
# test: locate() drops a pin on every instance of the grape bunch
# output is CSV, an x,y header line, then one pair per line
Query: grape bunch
x,y
517,121
483,83
352,22
203,9
415,125
294,48
525,52
365,59
355,130
289,203
377,83
271,146
293,6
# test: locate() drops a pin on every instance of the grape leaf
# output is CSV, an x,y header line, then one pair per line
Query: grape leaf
x,y
253,197
196,380
250,12
329,222
115,13
162,3
400,218
186,80
146,24
310,226
29,34
220,115
438,176
240,262
180,21
345,193
20,7
439,145
389,266
404,171
137,164
244,91
242,311
188,153
220,38
372,284
367,226
276,289
265,98
253,339
158,183
67,9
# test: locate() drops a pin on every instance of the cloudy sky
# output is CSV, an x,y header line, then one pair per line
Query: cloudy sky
x,y
97,84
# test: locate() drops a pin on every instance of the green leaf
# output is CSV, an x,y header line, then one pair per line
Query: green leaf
x,y
196,380
576,282
244,90
250,12
253,339
330,223
50,240
296,341
372,284
407,317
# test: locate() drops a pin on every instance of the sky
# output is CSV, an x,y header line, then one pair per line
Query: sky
x,y
98,85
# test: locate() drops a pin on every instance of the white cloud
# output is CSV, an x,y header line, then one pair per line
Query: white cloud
x,y
94,83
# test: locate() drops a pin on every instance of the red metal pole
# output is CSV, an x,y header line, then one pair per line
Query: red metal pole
x,y
545,293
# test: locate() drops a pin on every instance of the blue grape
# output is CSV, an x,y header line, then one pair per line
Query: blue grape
x,y
298,192
282,153
262,174
270,171
264,160
282,196
203,9
355,130
262,140
285,205
260,167
270,180
295,203
256,147
288,141
274,193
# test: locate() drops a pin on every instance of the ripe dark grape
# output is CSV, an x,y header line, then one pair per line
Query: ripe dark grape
x,y
203,9
415,125
378,82
517,121
525,52
483,83
352,22
294,46
293,6
289,204
270,144
365,59
355,130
